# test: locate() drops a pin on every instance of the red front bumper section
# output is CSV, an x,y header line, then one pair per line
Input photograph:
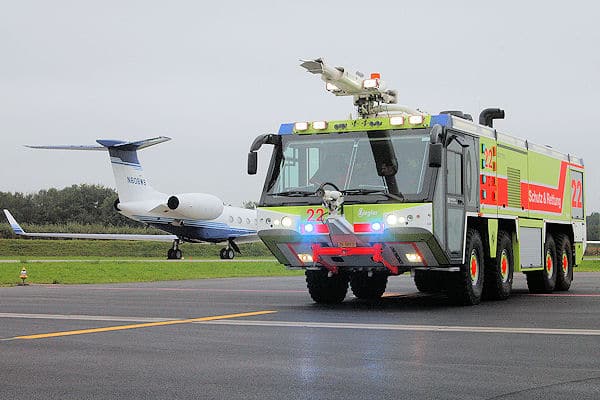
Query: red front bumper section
x,y
375,251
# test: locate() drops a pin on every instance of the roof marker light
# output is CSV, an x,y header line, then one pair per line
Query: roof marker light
x,y
319,125
301,126
397,120
416,119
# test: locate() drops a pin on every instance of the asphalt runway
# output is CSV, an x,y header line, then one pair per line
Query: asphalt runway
x,y
263,338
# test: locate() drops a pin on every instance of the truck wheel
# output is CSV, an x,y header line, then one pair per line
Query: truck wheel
x,y
498,279
544,281
428,281
564,270
324,289
367,288
465,287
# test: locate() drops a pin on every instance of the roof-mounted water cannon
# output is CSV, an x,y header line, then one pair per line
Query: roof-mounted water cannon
x,y
369,94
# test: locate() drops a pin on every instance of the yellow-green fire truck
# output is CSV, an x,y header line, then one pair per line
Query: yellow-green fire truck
x,y
459,205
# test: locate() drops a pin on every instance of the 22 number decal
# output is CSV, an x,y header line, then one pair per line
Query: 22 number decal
x,y
489,157
576,193
315,212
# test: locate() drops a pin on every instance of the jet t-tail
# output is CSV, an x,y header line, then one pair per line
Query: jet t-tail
x,y
187,217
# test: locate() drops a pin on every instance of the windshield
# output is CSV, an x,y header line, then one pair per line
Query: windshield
x,y
392,162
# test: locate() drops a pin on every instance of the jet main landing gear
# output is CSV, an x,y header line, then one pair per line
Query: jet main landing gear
x,y
174,252
227,253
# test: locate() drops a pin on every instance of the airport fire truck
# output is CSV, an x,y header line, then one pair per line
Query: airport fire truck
x,y
459,205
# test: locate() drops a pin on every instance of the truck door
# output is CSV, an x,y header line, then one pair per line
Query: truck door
x,y
455,197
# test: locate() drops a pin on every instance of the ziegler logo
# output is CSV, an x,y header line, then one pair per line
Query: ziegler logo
x,y
136,181
366,213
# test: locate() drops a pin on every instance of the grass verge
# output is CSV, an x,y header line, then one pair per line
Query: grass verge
x,y
123,271
119,272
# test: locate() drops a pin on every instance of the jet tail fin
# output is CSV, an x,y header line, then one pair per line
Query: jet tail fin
x,y
132,185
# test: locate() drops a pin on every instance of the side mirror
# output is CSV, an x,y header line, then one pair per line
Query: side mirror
x,y
435,155
252,162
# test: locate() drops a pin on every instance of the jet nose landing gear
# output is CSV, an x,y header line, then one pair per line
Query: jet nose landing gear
x,y
174,252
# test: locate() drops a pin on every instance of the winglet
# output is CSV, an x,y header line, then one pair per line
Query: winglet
x,y
13,223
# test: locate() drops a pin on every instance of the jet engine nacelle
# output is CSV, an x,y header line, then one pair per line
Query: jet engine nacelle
x,y
196,205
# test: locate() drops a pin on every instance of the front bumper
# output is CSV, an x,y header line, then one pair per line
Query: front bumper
x,y
396,250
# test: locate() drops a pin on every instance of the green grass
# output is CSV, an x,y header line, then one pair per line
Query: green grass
x,y
79,249
589,266
118,272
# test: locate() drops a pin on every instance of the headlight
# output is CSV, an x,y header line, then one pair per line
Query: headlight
x,y
391,219
286,222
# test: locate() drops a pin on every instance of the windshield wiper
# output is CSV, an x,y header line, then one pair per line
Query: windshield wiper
x,y
294,193
399,196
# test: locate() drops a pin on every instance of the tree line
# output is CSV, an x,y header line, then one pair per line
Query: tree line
x,y
77,204
86,204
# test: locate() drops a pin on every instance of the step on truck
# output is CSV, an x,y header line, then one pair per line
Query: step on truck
x,y
458,204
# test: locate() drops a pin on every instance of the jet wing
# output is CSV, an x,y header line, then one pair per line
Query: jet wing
x,y
101,236
248,238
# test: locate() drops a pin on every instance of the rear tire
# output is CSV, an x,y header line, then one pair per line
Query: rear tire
x,y
465,287
428,281
544,281
367,288
564,270
324,289
497,284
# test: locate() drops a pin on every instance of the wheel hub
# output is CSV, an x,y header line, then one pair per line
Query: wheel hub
x,y
474,268
549,264
504,266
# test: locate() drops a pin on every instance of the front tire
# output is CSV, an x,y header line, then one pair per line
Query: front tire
x,y
428,281
564,270
465,287
497,284
324,289
367,288
544,281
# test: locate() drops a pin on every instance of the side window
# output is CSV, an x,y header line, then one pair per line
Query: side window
x,y
454,169
289,176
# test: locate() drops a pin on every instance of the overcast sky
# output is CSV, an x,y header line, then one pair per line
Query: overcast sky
x,y
214,75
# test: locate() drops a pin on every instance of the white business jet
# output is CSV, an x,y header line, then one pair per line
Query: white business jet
x,y
188,217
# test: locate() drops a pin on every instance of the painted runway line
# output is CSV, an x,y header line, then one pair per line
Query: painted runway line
x,y
76,317
137,326
420,328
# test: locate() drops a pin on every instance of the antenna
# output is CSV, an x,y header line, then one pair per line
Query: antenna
x,y
368,93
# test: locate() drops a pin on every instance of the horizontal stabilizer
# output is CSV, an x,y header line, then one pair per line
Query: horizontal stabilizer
x,y
131,146
68,147
105,144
